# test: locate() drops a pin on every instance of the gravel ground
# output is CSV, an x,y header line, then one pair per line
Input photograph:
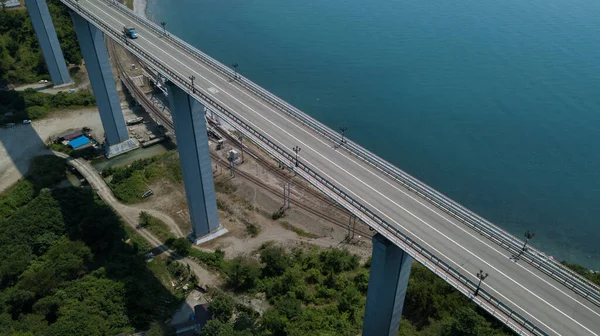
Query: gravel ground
x,y
19,144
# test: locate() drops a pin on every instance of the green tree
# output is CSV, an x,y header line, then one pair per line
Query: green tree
x,y
15,260
273,322
337,260
349,300
217,327
243,273
275,259
222,306
361,281
466,322
180,245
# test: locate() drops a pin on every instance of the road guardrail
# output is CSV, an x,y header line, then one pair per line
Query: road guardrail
x,y
488,302
534,257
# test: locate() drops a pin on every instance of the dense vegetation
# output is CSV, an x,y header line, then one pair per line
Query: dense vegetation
x,y
129,183
65,265
322,292
31,104
21,59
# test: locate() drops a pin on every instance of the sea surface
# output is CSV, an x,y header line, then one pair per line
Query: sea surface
x,y
495,103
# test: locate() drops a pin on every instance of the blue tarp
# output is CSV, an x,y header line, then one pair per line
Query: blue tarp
x,y
78,142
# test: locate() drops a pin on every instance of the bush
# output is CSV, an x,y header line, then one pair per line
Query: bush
x,y
214,260
278,214
337,260
361,281
276,260
243,273
252,229
222,306
36,112
181,246
349,300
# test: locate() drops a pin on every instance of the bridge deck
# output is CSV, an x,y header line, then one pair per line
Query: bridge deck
x,y
539,298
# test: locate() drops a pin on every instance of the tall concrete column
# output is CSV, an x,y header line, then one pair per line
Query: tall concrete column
x,y
194,156
46,34
390,270
99,70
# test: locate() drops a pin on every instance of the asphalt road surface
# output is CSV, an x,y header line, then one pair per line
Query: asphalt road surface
x,y
542,300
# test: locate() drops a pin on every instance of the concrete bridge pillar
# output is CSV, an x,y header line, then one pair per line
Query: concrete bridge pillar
x,y
194,156
390,270
46,34
93,48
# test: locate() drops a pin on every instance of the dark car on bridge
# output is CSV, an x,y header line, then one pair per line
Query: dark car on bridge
x,y
130,32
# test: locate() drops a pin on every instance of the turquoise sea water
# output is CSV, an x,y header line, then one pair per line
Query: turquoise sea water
x,y
495,103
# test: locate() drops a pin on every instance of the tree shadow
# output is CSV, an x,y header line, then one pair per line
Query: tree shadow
x,y
80,215
100,228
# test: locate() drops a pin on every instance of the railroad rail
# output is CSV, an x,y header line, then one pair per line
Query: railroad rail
x,y
534,257
485,300
141,98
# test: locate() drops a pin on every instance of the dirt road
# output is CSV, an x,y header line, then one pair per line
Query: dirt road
x,y
130,216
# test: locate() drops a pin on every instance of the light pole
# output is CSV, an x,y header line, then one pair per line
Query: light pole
x,y
163,23
192,78
481,277
241,138
528,235
296,149
343,129
230,159
235,66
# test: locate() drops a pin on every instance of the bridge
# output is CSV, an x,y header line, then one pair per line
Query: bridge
x,y
526,290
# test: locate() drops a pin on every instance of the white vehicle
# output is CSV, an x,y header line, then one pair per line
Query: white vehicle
x,y
26,121
43,81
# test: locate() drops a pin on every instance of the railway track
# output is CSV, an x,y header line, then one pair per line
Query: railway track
x,y
322,199
297,203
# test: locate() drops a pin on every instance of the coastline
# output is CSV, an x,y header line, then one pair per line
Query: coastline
x,y
139,7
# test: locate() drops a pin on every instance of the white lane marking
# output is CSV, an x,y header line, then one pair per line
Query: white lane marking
x,y
318,153
278,113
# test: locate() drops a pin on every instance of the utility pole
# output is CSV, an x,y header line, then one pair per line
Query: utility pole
x,y
343,129
192,78
286,195
481,277
351,226
296,149
528,235
235,66
241,139
163,24
230,159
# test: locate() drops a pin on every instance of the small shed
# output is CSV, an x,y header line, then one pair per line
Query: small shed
x,y
72,136
79,142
